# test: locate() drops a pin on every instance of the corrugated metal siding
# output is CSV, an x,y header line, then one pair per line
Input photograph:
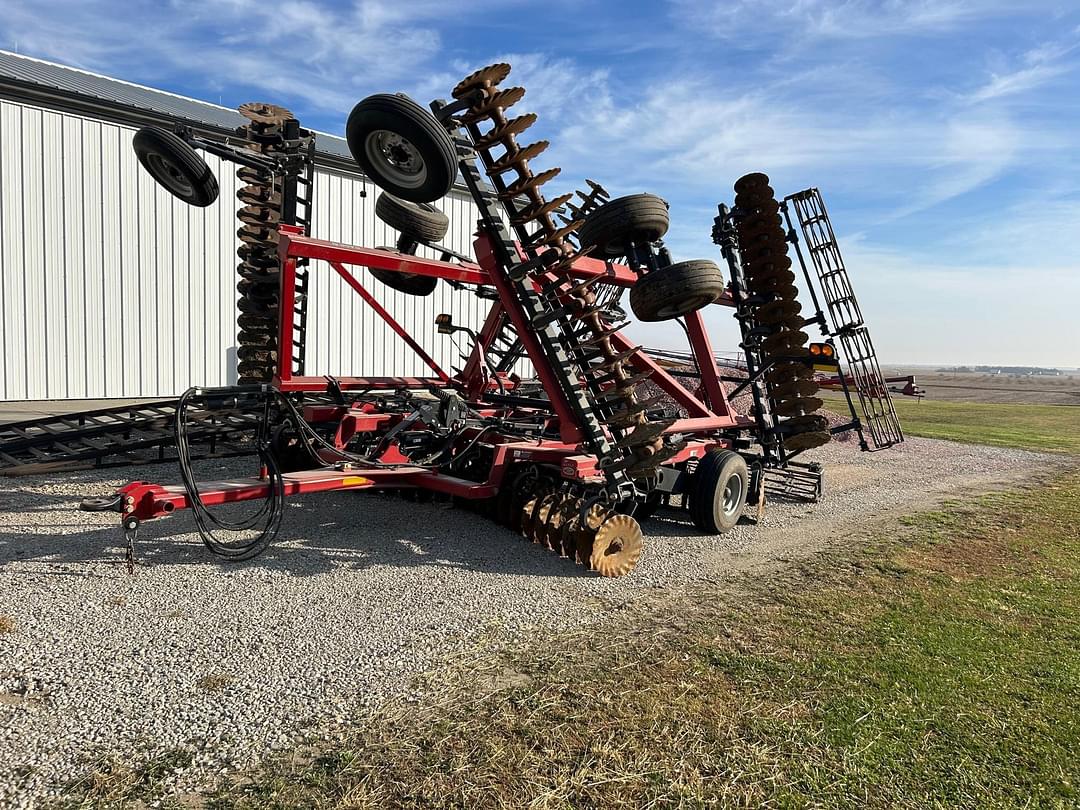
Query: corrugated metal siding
x,y
24,70
110,287
344,338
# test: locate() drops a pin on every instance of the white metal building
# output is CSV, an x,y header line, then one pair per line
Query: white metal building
x,y
110,287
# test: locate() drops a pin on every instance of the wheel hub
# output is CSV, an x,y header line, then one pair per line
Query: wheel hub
x,y
400,157
169,174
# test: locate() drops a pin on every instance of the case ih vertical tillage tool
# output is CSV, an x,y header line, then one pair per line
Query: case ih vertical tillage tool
x,y
573,458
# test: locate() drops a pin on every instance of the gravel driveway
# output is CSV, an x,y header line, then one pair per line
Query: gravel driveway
x,y
363,592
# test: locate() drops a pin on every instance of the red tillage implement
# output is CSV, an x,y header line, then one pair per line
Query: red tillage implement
x,y
571,457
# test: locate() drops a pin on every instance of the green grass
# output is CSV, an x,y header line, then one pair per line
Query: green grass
x,y
1050,428
939,666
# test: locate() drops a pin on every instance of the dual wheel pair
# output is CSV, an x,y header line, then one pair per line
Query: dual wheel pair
x,y
663,294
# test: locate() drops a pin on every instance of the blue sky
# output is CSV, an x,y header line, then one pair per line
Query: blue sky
x,y
943,135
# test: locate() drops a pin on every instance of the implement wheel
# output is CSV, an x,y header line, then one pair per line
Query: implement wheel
x,y
676,290
421,221
402,147
718,491
610,229
175,166
408,283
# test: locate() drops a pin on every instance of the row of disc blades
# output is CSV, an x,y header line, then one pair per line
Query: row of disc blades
x,y
641,447
588,533
763,250
259,215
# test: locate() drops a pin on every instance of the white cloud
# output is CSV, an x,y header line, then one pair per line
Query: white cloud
x,y
326,57
746,21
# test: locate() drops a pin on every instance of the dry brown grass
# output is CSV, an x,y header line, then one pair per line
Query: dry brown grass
x,y
214,682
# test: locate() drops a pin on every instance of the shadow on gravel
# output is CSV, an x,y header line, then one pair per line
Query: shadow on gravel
x,y
42,532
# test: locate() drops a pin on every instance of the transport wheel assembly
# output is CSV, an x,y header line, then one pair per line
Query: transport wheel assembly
x,y
676,290
610,229
175,166
719,490
401,146
417,222
421,221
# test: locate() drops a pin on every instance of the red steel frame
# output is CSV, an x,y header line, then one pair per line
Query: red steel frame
x,y
712,412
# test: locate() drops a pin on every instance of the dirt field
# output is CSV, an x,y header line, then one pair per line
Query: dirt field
x,y
994,388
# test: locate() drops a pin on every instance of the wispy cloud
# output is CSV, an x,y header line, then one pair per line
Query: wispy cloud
x,y
321,55
1036,67
941,131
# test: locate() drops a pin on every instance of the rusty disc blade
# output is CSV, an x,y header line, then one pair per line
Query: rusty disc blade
x,y
763,206
755,197
519,157
799,406
585,532
751,181
794,388
492,74
806,441
645,433
515,126
757,222
769,272
262,113
626,417
647,466
782,341
803,424
617,546
785,372
563,533
551,528
614,361
499,101
555,238
540,516
539,209
528,510
519,187
775,310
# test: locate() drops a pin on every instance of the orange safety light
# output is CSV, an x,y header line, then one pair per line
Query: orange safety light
x,y
823,356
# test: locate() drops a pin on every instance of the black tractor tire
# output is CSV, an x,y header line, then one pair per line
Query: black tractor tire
x,y
175,166
408,283
609,230
718,491
402,147
676,290
421,221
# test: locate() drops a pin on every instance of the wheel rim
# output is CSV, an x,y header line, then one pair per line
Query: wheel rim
x,y
169,175
733,495
397,158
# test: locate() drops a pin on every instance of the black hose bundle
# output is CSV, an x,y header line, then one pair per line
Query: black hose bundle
x,y
267,519
269,514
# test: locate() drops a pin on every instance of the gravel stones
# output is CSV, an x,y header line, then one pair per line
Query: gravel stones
x,y
361,592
